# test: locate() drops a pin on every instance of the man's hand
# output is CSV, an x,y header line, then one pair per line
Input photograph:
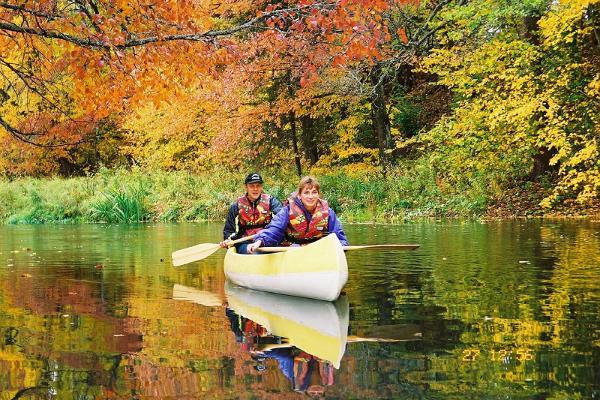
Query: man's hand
x,y
253,246
226,243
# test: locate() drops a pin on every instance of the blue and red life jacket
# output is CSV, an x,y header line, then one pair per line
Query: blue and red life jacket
x,y
252,218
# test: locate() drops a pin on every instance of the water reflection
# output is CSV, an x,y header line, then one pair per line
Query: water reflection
x,y
305,337
506,310
317,327
305,372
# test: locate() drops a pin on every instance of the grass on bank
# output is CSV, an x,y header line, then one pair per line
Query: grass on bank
x,y
120,196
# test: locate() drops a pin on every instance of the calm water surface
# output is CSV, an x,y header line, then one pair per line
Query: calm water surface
x,y
480,311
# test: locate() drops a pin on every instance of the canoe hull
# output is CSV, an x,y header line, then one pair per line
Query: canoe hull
x,y
318,270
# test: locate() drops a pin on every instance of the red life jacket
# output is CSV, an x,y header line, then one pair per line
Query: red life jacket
x,y
299,230
253,219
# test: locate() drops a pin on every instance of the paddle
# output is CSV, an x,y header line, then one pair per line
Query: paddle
x,y
202,297
348,248
200,251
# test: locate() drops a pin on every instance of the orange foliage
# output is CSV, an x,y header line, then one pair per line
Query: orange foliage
x,y
70,66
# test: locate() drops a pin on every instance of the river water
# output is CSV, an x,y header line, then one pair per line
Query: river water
x,y
505,310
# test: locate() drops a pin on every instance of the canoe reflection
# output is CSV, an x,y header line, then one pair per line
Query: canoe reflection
x,y
317,327
306,337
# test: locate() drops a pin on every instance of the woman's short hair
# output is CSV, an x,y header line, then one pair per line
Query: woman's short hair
x,y
308,182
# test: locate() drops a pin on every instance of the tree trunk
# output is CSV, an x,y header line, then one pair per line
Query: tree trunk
x,y
309,140
541,162
530,29
292,87
592,13
292,117
380,119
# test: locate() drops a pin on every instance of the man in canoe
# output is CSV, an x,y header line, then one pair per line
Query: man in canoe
x,y
304,219
250,213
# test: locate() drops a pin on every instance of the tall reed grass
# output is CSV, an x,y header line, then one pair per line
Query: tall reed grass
x,y
119,196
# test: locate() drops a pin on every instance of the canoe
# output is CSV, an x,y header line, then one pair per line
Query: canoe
x,y
318,270
317,327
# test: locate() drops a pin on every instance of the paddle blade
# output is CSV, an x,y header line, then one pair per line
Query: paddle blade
x,y
197,296
194,253
389,333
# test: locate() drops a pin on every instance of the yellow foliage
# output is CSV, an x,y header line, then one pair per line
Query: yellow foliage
x,y
346,154
515,96
171,136
563,23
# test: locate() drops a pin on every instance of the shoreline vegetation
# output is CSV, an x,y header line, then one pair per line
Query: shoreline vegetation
x,y
404,110
122,196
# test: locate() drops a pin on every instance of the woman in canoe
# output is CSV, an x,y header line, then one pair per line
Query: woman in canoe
x,y
305,219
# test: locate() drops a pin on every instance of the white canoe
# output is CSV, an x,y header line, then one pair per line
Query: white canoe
x,y
317,271
317,327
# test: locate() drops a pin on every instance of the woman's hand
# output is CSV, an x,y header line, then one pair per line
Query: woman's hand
x,y
253,246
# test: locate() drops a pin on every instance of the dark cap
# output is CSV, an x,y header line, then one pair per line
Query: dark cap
x,y
253,178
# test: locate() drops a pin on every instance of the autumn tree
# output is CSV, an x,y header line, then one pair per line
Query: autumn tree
x,y
69,64
525,82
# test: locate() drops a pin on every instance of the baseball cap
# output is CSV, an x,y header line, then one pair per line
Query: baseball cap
x,y
253,178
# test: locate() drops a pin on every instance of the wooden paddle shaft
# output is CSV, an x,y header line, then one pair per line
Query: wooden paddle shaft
x,y
200,251
347,248
205,246
243,239
383,247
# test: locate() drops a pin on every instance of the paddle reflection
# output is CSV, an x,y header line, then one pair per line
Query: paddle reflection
x,y
307,338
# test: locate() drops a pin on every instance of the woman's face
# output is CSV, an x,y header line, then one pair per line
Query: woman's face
x,y
309,197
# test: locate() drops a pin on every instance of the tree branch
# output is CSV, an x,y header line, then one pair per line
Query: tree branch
x,y
22,9
137,40
25,137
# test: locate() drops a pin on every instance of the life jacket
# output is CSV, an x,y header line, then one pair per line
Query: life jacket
x,y
253,219
303,366
299,229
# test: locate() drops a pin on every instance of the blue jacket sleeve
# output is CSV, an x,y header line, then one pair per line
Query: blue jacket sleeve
x,y
275,206
274,233
230,230
335,226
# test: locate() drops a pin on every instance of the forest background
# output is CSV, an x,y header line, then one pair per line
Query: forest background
x,y
123,111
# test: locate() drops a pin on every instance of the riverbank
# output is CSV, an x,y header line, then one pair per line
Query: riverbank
x,y
522,202
120,196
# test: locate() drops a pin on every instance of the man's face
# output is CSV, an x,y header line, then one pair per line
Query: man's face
x,y
254,190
